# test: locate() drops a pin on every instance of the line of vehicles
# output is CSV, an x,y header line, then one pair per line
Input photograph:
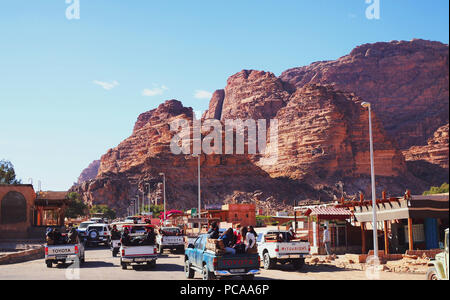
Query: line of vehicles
x,y
197,258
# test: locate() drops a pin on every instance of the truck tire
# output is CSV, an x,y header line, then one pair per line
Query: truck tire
x,y
49,263
151,264
124,265
180,250
268,262
298,263
206,274
188,271
432,274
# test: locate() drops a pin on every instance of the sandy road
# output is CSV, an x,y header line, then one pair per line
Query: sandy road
x,y
101,265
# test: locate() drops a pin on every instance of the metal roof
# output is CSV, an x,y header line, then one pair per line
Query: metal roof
x,y
328,211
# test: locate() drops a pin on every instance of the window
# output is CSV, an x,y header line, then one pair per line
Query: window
x,y
418,233
260,236
197,242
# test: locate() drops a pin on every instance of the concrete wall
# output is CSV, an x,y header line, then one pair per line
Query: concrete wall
x,y
20,229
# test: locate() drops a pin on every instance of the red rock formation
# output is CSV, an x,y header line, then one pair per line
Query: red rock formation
x,y
253,95
90,172
323,133
407,83
436,152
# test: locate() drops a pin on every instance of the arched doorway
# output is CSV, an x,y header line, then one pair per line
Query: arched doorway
x,y
13,208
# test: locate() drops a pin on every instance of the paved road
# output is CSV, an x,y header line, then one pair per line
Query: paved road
x,y
101,265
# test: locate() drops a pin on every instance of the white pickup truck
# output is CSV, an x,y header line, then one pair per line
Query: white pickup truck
x,y
274,246
138,255
170,238
66,253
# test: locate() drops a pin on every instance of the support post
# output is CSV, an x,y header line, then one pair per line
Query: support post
x,y
386,239
410,234
363,237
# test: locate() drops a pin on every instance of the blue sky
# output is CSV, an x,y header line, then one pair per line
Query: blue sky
x,y
72,89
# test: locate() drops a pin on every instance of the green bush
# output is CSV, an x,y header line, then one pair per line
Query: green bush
x,y
444,188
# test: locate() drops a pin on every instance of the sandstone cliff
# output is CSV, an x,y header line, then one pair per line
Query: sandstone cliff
x,y
90,172
322,138
407,83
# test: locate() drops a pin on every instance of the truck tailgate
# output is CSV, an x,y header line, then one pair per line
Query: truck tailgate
x,y
139,251
293,248
238,261
172,240
61,250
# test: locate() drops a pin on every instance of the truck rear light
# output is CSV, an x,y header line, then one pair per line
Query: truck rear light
x,y
215,262
46,250
277,250
123,252
76,249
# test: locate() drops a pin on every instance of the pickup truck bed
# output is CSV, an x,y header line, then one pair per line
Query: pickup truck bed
x,y
66,253
137,255
272,252
212,266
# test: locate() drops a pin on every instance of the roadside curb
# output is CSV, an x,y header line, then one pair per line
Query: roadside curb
x,y
23,256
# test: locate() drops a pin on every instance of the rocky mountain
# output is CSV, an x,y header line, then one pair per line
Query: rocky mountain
x,y
435,152
406,82
322,134
90,172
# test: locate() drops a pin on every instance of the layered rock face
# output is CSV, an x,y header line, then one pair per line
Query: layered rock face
x,y
436,152
322,138
134,166
325,134
407,83
90,172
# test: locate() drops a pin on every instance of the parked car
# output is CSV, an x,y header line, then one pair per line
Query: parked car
x,y
170,238
98,234
274,247
213,266
439,268
64,253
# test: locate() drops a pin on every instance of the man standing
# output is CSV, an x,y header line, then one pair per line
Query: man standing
x,y
327,240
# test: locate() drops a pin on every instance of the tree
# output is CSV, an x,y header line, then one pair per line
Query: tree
x,y
444,188
77,207
104,210
7,173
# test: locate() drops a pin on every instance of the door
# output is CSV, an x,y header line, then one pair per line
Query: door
x,y
431,233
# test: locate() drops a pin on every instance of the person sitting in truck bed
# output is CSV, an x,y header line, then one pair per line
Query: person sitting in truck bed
x,y
115,234
126,239
149,238
228,241
250,239
72,237
213,232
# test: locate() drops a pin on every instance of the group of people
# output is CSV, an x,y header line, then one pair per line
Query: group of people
x,y
55,237
238,240
149,238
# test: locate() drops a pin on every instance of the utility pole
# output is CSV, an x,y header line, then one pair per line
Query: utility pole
x,y
164,192
372,174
